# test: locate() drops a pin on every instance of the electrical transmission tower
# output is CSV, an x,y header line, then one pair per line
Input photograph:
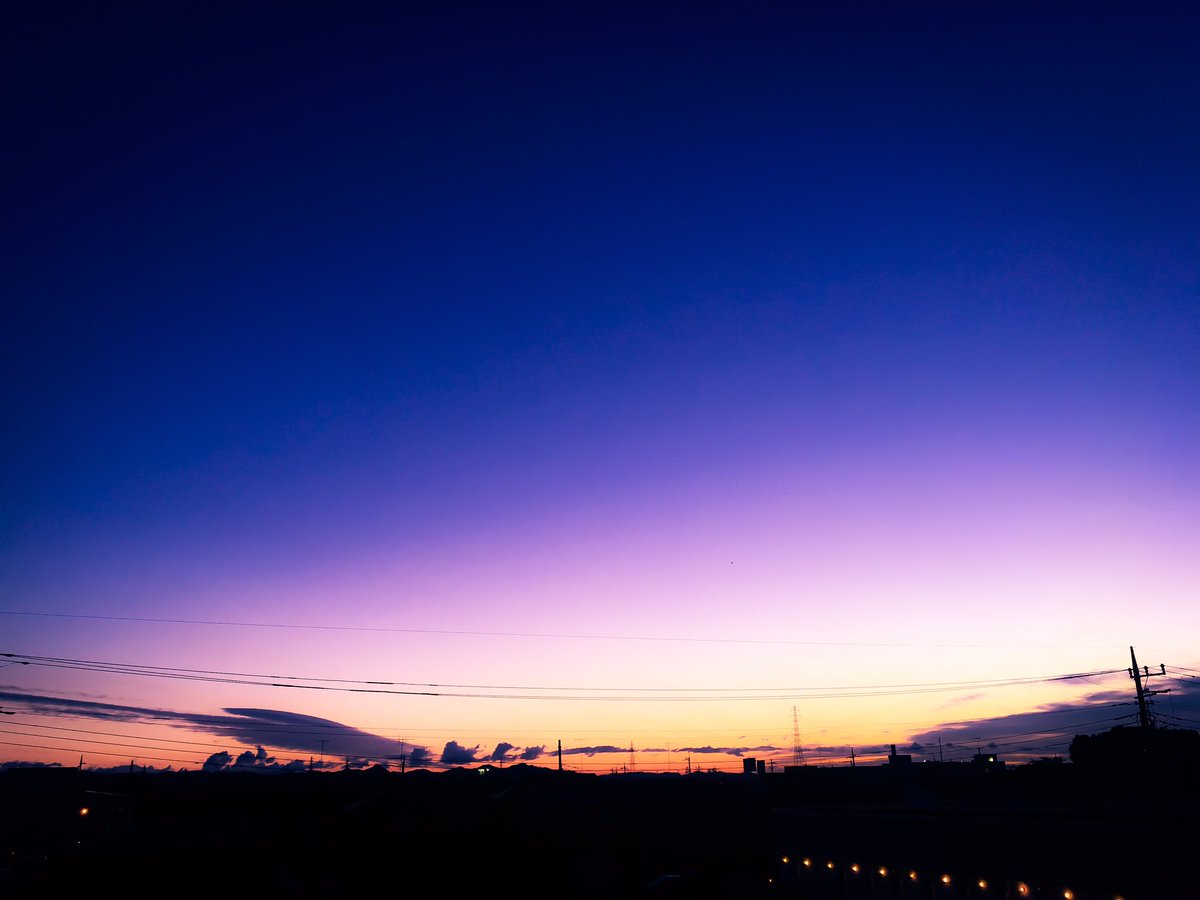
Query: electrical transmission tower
x,y
797,750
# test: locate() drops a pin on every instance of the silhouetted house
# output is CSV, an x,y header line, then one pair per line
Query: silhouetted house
x,y
899,759
749,765
988,762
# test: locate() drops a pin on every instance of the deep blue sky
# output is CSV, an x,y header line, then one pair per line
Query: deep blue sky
x,y
229,226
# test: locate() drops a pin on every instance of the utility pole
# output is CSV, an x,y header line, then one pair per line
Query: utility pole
x,y
852,757
1145,719
560,754
323,742
401,756
631,756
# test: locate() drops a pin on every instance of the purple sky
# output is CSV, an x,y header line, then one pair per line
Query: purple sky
x,y
704,349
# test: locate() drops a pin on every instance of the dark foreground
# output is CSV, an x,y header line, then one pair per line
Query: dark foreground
x,y
930,832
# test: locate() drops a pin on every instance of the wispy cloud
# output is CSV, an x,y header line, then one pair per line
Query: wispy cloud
x,y
275,728
1049,729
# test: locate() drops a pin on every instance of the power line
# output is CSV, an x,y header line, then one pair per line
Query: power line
x,y
99,752
139,737
538,634
568,693
92,741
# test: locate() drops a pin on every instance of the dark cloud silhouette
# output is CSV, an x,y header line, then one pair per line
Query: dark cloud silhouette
x,y
217,761
294,731
456,755
500,754
20,764
257,761
284,730
63,706
1049,729
420,756
531,753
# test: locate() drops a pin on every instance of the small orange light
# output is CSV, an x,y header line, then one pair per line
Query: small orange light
x,y
854,867
785,860
982,885
912,876
1023,889
807,862
84,811
883,871
1068,894
945,879
829,865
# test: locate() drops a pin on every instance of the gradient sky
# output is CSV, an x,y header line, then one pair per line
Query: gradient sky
x,y
750,348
